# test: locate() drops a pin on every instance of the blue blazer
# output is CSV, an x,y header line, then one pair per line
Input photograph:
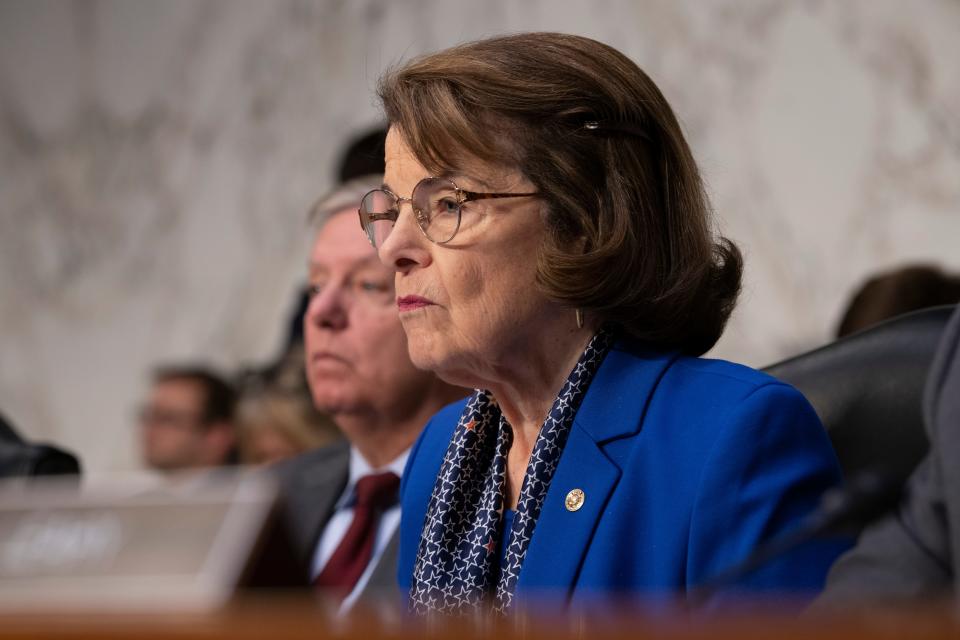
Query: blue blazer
x,y
686,465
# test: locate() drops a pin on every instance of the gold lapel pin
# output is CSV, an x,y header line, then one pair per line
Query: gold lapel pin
x,y
574,499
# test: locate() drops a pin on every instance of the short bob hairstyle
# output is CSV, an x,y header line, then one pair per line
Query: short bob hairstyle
x,y
629,233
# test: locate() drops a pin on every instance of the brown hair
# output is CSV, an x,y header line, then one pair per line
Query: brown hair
x,y
892,293
629,238
219,396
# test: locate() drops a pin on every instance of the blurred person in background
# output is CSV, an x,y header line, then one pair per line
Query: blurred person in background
x,y
276,418
274,425
341,501
277,413
896,292
363,156
187,422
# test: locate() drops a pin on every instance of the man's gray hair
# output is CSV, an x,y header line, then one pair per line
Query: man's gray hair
x,y
344,196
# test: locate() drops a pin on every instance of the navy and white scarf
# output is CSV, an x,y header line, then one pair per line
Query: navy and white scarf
x,y
458,565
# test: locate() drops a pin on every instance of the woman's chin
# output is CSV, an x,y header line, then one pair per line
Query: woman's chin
x,y
423,356
442,362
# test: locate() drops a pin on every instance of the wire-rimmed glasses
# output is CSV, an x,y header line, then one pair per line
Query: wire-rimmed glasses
x,y
437,206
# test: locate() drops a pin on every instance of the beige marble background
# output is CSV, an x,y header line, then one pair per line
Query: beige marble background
x,y
157,160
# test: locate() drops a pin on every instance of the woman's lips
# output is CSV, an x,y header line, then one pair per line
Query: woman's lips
x,y
412,303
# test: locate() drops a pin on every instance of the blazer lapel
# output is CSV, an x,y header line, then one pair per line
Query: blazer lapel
x,y
562,536
613,408
618,395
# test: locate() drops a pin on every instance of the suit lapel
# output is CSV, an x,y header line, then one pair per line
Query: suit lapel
x,y
318,488
384,575
613,408
381,596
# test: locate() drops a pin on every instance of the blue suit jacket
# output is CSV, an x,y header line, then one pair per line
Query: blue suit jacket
x,y
686,465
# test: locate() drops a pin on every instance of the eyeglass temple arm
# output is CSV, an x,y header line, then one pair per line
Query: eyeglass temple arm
x,y
473,195
386,215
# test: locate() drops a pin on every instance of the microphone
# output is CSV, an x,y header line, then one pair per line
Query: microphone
x,y
843,510
867,497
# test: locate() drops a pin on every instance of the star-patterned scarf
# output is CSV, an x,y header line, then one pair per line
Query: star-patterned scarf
x,y
458,565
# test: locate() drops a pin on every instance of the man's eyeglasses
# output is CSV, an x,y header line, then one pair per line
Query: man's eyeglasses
x,y
149,416
437,205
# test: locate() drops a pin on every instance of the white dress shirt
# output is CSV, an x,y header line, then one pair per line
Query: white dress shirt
x,y
343,515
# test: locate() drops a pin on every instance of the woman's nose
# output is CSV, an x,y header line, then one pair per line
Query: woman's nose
x,y
405,248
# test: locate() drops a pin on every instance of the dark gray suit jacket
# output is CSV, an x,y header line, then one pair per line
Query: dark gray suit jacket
x,y
310,485
915,552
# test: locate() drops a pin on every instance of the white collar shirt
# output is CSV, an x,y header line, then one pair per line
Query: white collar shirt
x,y
343,515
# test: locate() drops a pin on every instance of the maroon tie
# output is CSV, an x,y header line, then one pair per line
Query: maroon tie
x,y
375,494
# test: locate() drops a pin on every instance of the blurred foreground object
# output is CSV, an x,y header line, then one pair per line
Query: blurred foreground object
x,y
845,510
21,459
110,549
296,619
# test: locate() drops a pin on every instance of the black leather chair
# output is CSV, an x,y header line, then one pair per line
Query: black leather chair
x,y
20,459
867,389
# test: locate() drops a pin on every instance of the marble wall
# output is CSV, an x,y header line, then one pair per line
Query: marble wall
x,y
157,160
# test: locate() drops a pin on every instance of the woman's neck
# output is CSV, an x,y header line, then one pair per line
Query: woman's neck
x,y
528,390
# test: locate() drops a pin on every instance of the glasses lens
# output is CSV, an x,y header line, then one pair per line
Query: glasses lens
x,y
438,208
378,212
150,416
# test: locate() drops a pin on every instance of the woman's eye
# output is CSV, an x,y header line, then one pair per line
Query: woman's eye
x,y
448,206
314,289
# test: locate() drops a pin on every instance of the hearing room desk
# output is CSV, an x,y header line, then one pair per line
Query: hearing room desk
x,y
303,619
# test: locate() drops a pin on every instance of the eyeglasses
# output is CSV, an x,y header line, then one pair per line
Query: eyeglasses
x,y
150,416
437,206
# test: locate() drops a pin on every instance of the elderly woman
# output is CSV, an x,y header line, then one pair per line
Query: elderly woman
x,y
552,246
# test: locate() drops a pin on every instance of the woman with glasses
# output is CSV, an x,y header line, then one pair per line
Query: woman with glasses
x,y
552,246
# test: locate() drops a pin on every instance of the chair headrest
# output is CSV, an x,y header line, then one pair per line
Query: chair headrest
x,y
867,389
19,458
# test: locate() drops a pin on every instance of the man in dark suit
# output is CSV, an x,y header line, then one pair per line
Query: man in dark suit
x,y
341,501
915,552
